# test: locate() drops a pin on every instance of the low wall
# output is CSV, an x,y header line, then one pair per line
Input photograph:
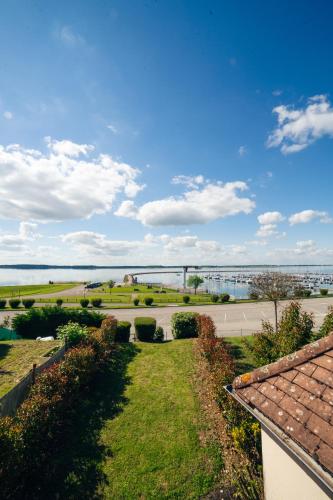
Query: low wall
x,y
12,400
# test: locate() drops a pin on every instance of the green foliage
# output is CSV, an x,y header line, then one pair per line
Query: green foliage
x,y
300,291
72,333
84,302
159,334
123,331
323,291
148,301
184,325
96,302
186,299
110,284
214,298
136,301
224,297
14,303
145,328
253,295
294,331
327,325
194,281
28,303
45,321
59,302
3,304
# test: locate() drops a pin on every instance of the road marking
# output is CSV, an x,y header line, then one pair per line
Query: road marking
x,y
244,316
225,316
264,315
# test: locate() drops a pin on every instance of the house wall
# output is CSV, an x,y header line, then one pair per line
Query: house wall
x,y
284,479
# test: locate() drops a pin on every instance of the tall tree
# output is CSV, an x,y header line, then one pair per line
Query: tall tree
x,y
272,286
194,281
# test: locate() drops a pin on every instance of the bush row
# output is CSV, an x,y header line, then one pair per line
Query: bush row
x,y
30,440
223,297
15,303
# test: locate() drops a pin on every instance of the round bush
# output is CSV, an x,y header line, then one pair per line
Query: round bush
x,y
186,299
123,331
59,302
307,293
84,302
3,304
14,303
28,303
136,302
184,325
72,333
159,334
323,291
145,328
225,297
96,302
149,301
214,298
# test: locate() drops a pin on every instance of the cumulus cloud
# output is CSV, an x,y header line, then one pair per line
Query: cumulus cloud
x,y
8,115
68,37
242,150
113,129
298,128
308,216
270,218
267,230
64,183
17,241
197,206
192,182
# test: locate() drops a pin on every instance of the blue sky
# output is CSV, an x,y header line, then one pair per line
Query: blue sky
x,y
166,132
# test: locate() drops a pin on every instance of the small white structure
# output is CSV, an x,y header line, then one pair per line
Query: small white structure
x,y
293,401
44,339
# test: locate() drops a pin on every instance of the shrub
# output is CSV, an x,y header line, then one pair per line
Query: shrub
x,y
224,297
184,325
159,334
323,291
145,328
186,299
59,302
28,303
84,302
123,331
136,302
72,333
45,321
307,293
96,302
149,301
254,296
3,304
136,289
214,297
327,325
14,303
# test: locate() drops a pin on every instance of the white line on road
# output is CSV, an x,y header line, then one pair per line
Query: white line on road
x,y
244,316
225,316
264,315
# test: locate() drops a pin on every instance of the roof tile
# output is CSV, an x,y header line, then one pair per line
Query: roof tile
x,y
297,431
321,428
324,376
295,409
328,395
325,362
271,392
316,405
307,368
292,389
325,456
309,384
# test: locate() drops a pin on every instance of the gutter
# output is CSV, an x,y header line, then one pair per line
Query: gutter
x,y
322,478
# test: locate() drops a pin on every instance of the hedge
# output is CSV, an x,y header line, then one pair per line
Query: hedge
x,y
3,304
45,321
84,303
186,299
14,303
28,303
30,441
123,331
184,325
145,328
224,297
148,301
96,302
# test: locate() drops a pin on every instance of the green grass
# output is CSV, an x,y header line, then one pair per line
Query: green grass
x,y
17,290
17,358
243,359
153,442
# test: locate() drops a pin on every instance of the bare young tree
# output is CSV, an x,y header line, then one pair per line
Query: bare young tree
x,y
272,286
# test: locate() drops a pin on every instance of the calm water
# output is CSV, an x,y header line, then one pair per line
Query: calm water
x,y
37,276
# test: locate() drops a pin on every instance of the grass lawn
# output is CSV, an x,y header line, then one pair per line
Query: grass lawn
x,y
17,358
244,361
155,450
17,290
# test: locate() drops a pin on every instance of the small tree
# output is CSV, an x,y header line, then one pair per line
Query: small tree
x,y
272,286
194,281
110,284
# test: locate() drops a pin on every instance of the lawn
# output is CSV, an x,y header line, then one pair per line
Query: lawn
x,y
17,358
18,290
243,359
153,442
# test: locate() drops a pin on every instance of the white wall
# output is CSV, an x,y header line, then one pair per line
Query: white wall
x,y
284,479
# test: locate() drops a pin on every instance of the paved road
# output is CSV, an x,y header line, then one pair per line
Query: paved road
x,y
230,319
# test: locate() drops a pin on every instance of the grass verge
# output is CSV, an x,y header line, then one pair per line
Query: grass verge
x,y
18,290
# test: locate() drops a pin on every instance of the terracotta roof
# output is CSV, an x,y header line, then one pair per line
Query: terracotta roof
x,y
296,394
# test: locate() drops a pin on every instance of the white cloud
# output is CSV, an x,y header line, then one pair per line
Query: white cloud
x,y
199,206
298,128
113,129
270,218
267,230
188,181
242,150
18,241
309,215
8,115
58,185
68,37
277,92
90,242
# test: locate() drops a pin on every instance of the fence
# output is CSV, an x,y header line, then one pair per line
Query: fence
x,y
12,400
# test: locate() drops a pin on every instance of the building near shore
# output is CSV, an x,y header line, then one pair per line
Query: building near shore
x,y
293,401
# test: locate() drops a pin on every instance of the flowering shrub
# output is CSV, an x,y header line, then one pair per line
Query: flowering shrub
x,y
72,333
